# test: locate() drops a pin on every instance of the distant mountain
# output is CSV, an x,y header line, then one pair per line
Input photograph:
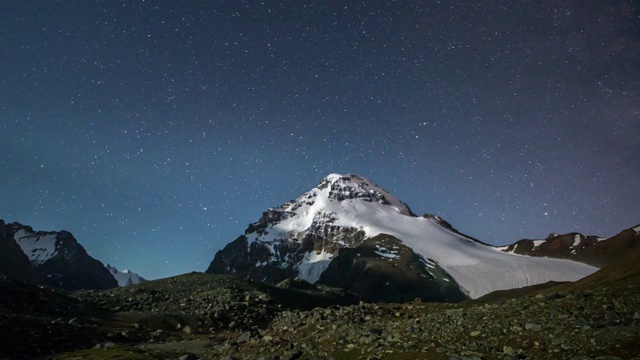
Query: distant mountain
x,y
593,250
125,277
350,233
57,259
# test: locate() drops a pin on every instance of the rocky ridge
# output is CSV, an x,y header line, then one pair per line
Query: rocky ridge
x,y
589,249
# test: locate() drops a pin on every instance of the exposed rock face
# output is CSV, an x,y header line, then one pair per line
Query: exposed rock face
x,y
384,269
13,262
241,259
279,259
588,249
58,259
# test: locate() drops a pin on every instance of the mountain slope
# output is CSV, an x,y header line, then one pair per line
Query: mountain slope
x,y
304,237
58,259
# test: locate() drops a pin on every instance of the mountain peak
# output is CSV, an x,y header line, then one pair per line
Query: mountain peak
x,y
353,186
333,177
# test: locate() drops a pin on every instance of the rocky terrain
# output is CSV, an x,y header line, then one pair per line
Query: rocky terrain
x,y
203,316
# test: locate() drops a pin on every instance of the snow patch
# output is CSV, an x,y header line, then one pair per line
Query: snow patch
x,y
38,248
386,255
537,243
576,241
313,264
333,177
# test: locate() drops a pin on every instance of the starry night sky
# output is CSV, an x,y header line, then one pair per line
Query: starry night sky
x,y
156,131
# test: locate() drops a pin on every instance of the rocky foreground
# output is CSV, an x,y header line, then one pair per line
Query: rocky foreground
x,y
201,316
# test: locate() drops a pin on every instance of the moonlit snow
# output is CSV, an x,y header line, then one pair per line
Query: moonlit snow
x,y
313,265
38,248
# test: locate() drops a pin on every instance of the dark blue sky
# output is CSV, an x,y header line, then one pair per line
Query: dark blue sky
x,y
156,131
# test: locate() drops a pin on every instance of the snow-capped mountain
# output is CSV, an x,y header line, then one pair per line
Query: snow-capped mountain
x,y
348,232
57,258
124,277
